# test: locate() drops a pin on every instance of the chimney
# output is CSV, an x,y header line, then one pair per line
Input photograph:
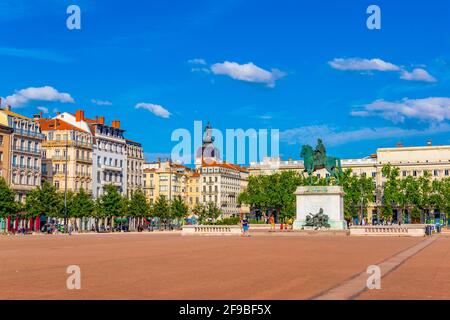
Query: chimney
x,y
79,115
8,107
429,142
115,124
101,120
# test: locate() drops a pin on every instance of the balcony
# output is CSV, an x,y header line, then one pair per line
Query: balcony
x,y
23,167
114,183
28,133
26,150
84,159
60,158
83,174
111,168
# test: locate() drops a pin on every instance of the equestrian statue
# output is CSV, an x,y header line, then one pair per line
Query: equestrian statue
x,y
317,159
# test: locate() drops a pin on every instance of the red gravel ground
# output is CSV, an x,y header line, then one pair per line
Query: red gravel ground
x,y
426,275
161,266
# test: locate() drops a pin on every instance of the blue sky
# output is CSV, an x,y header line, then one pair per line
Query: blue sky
x,y
308,69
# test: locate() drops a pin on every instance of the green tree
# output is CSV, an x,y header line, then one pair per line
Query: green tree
x,y
8,206
111,204
212,211
138,206
161,208
391,190
179,208
409,198
426,193
44,200
81,206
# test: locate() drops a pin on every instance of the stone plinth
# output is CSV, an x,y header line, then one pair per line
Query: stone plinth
x,y
311,199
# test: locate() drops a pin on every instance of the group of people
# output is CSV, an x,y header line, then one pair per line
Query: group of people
x,y
284,226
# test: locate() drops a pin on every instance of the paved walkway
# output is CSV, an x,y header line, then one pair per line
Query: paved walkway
x,y
169,266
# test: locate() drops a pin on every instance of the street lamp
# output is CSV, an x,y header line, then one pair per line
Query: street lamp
x,y
65,182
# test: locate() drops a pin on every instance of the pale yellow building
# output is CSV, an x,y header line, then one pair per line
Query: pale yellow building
x,y
193,190
25,153
164,178
68,153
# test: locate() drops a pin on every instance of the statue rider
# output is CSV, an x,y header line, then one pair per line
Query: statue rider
x,y
320,152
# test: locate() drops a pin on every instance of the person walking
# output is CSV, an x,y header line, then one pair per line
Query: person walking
x,y
272,223
245,227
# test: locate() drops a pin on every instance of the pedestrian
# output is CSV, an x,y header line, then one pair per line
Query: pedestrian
x,y
290,223
245,227
272,222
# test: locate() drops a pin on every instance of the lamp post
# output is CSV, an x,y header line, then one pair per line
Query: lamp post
x,y
65,181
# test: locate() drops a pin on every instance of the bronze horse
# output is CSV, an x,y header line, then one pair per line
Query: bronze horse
x,y
331,164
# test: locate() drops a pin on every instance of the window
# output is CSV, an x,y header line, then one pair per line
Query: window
x,y
57,185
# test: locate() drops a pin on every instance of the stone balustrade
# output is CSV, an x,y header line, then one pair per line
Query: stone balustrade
x,y
407,230
211,230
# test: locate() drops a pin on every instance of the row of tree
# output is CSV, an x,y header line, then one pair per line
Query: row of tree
x,y
416,196
45,200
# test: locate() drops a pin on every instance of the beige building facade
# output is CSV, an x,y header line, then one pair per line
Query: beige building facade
x,y
164,178
135,163
68,154
25,153
5,147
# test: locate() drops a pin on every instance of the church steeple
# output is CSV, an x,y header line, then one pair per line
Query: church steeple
x,y
207,152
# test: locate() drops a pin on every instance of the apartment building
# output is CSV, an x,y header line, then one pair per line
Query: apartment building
x,y
222,183
26,139
165,178
68,150
193,190
109,156
5,147
135,162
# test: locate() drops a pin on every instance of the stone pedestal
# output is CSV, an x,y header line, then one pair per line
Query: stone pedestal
x,y
311,199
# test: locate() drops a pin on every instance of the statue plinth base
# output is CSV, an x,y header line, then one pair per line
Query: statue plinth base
x,y
310,199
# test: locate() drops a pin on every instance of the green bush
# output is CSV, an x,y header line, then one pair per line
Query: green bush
x,y
225,221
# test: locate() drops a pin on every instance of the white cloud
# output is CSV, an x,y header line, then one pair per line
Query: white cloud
x,y
367,65
248,72
47,93
360,64
197,61
101,102
433,109
418,74
335,136
43,109
156,109
205,70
